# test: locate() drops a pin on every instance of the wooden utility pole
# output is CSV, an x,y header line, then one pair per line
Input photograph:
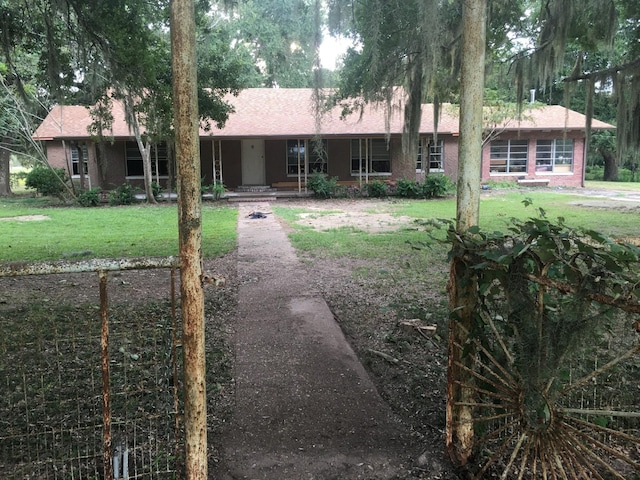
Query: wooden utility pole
x,y
185,106
462,285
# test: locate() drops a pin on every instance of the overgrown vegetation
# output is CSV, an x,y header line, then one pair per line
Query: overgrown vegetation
x,y
90,197
551,307
596,172
323,186
376,189
434,186
47,181
122,195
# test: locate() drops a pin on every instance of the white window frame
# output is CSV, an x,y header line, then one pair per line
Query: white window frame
x,y
308,157
436,157
132,154
371,154
75,161
419,164
555,155
510,158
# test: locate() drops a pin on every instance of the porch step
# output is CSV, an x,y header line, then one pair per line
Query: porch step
x,y
254,188
238,196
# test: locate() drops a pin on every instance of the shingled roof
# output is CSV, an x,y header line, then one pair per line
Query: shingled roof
x,y
288,112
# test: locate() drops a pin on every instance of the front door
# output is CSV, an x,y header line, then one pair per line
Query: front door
x,y
253,168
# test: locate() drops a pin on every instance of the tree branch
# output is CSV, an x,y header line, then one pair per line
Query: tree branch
x,y
618,302
606,72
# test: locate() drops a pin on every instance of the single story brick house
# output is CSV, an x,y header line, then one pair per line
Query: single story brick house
x,y
269,141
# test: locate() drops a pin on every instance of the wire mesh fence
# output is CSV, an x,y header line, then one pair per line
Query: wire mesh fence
x,y
547,364
60,417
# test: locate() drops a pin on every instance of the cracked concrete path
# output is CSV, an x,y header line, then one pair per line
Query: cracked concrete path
x,y
305,407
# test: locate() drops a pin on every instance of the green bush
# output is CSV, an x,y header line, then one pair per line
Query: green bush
x,y
218,190
408,188
156,188
322,186
49,182
123,195
215,189
377,189
596,172
89,198
436,186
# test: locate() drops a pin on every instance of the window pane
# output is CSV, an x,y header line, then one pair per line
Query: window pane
x,y
564,152
554,155
299,151
295,156
380,158
499,155
509,156
359,154
75,161
436,156
317,156
518,150
134,160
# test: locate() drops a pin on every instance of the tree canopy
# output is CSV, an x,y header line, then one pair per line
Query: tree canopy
x,y
74,51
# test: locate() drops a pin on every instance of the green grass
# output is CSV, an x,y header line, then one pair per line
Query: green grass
x,y
629,186
496,211
141,230
106,232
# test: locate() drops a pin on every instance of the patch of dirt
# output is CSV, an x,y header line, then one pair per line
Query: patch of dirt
x,y
372,216
26,218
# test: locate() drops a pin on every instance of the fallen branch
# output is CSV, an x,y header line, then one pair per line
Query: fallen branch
x,y
387,357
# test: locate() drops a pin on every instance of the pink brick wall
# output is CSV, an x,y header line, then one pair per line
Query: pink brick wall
x,y
339,161
568,179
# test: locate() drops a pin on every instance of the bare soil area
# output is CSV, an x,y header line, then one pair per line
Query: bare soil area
x,y
369,215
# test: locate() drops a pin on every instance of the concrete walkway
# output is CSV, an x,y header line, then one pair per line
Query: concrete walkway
x,y
305,407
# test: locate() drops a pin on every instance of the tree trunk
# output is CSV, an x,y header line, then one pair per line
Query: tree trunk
x,y
610,165
412,118
5,172
185,107
462,287
145,151
101,161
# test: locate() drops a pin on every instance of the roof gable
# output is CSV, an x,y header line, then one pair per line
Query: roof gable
x,y
73,121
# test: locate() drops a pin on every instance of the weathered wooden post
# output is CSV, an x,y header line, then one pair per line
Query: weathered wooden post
x,y
106,389
462,287
185,104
